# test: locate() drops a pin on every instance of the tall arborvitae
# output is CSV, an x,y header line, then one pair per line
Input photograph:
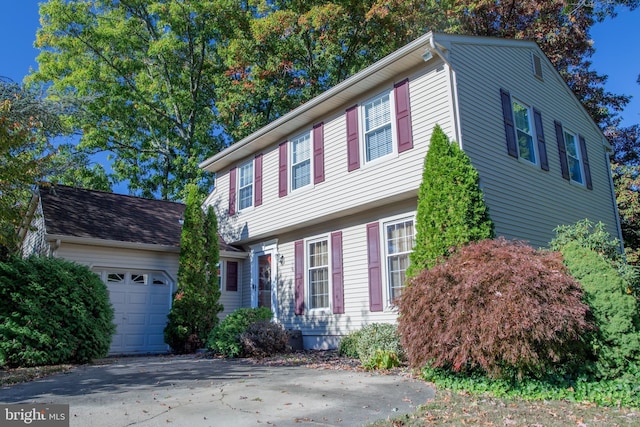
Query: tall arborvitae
x,y
196,303
451,209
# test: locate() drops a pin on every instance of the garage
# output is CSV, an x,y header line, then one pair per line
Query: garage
x,y
141,301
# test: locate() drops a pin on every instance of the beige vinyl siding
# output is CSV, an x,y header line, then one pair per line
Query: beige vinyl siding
x,y
130,259
526,202
323,326
342,193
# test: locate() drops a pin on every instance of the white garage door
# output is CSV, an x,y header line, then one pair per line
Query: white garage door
x,y
141,302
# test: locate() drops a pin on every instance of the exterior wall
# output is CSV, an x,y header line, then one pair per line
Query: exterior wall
x,y
526,202
231,300
98,256
322,328
372,185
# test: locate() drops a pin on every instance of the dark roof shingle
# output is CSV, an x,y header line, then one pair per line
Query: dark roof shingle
x,y
76,212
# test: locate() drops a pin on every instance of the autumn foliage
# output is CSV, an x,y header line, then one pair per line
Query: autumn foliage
x,y
498,306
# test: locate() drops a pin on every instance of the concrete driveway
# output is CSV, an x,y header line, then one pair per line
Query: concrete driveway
x,y
195,391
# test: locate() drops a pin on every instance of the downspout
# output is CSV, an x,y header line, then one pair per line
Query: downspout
x,y
453,88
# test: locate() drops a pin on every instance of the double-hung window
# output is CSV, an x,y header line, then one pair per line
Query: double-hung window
x,y
524,131
245,185
573,156
318,273
378,140
399,237
300,161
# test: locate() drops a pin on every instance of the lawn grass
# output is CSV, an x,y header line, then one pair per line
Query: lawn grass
x,y
451,408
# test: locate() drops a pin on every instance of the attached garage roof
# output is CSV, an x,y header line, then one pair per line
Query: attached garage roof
x,y
92,214
77,213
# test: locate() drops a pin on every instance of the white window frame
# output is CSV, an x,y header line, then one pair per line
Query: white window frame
x,y
249,185
308,269
387,270
308,136
532,132
392,127
571,159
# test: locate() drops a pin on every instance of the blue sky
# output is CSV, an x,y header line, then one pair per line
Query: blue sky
x,y
617,44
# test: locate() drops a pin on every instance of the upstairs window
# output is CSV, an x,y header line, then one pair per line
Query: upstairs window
x,y
245,185
378,141
524,132
573,157
300,161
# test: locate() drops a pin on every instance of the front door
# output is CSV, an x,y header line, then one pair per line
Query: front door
x,y
264,280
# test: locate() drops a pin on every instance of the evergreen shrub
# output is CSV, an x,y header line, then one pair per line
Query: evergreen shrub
x,y
225,339
451,209
378,346
264,338
495,305
52,311
617,341
348,346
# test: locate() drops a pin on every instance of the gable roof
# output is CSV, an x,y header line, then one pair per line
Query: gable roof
x,y
91,214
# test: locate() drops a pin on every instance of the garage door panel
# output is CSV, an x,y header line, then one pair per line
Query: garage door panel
x,y
157,320
140,314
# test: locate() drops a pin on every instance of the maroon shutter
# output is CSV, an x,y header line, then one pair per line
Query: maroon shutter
x,y
353,145
232,191
509,126
257,178
283,184
299,277
375,271
318,153
542,146
337,277
232,276
585,162
562,150
403,116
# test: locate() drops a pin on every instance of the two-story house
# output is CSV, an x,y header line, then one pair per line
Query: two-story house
x,y
323,199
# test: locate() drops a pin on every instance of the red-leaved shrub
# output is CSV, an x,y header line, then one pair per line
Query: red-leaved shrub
x,y
497,305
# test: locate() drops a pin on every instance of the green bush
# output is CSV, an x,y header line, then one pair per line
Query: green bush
x,y
497,306
264,338
597,238
378,346
451,209
225,338
617,341
348,346
52,311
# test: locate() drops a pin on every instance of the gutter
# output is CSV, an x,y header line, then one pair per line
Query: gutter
x,y
90,241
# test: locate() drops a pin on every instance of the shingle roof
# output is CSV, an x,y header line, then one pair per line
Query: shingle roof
x,y
76,212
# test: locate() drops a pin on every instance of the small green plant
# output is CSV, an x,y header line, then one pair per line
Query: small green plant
x,y
52,311
348,346
225,338
378,344
264,338
382,359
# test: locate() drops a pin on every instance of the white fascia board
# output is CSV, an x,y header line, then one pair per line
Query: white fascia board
x,y
90,241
